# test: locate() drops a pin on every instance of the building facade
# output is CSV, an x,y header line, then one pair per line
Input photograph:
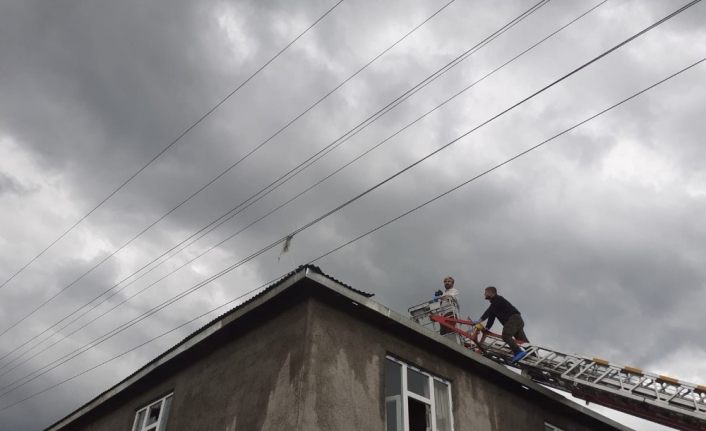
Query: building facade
x,y
311,353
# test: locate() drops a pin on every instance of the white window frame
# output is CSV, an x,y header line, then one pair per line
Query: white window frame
x,y
406,395
550,427
162,417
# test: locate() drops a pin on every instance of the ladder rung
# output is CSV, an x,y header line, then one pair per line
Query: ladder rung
x,y
633,370
667,379
600,361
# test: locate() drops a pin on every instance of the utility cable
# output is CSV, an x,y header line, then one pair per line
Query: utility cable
x,y
208,228
145,343
272,211
170,145
511,159
217,177
230,268
287,176
455,140
497,166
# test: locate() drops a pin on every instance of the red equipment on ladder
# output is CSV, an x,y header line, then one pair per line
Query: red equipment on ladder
x,y
657,398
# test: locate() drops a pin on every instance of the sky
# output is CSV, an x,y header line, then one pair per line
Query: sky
x,y
595,237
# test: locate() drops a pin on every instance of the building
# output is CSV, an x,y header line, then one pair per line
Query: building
x,y
310,353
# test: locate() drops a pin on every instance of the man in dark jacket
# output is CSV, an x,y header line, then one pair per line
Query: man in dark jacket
x,y
511,319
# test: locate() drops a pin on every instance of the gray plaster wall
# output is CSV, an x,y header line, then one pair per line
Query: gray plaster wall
x,y
344,383
250,382
311,366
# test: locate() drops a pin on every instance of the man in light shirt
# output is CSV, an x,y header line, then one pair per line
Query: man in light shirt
x,y
451,293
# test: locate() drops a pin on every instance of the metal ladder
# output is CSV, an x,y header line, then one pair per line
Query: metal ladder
x,y
658,398
422,313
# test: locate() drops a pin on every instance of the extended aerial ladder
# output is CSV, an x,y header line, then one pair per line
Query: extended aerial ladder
x,y
657,398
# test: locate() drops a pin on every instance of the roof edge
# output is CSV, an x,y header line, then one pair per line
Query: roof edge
x,y
358,298
276,288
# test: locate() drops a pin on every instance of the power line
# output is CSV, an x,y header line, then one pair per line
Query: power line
x,y
311,223
147,342
513,158
278,182
497,166
220,175
170,145
269,212
220,220
230,268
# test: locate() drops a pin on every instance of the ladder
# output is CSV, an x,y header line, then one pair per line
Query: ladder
x,y
658,398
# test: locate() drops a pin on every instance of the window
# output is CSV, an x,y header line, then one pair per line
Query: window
x,y
415,400
154,416
550,427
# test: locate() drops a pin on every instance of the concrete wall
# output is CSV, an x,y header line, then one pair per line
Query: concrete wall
x,y
344,386
251,382
314,367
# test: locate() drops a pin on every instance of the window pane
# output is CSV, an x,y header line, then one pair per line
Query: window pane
x,y
419,415
165,414
393,378
153,415
393,396
442,407
393,413
417,383
139,420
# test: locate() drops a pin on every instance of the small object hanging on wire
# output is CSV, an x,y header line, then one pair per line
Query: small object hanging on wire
x,y
285,247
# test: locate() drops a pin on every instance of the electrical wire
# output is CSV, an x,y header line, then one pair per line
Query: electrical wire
x,y
511,159
230,268
497,166
211,248
148,341
571,73
274,185
170,145
217,177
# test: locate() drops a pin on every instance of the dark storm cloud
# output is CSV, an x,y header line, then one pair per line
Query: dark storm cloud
x,y
595,237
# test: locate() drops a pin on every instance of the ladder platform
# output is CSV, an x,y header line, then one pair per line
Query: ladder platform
x,y
655,397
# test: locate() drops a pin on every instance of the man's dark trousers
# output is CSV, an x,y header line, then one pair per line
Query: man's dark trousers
x,y
514,327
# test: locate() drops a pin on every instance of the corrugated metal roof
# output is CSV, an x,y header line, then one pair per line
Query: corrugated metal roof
x,y
299,269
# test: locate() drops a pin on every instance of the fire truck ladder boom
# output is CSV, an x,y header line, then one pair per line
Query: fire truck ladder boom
x,y
657,398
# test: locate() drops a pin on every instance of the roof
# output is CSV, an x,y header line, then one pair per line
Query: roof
x,y
357,297
209,329
303,269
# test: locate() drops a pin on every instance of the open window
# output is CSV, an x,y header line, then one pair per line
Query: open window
x,y
415,400
153,417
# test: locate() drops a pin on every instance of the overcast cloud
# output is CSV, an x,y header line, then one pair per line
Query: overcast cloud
x,y
595,237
